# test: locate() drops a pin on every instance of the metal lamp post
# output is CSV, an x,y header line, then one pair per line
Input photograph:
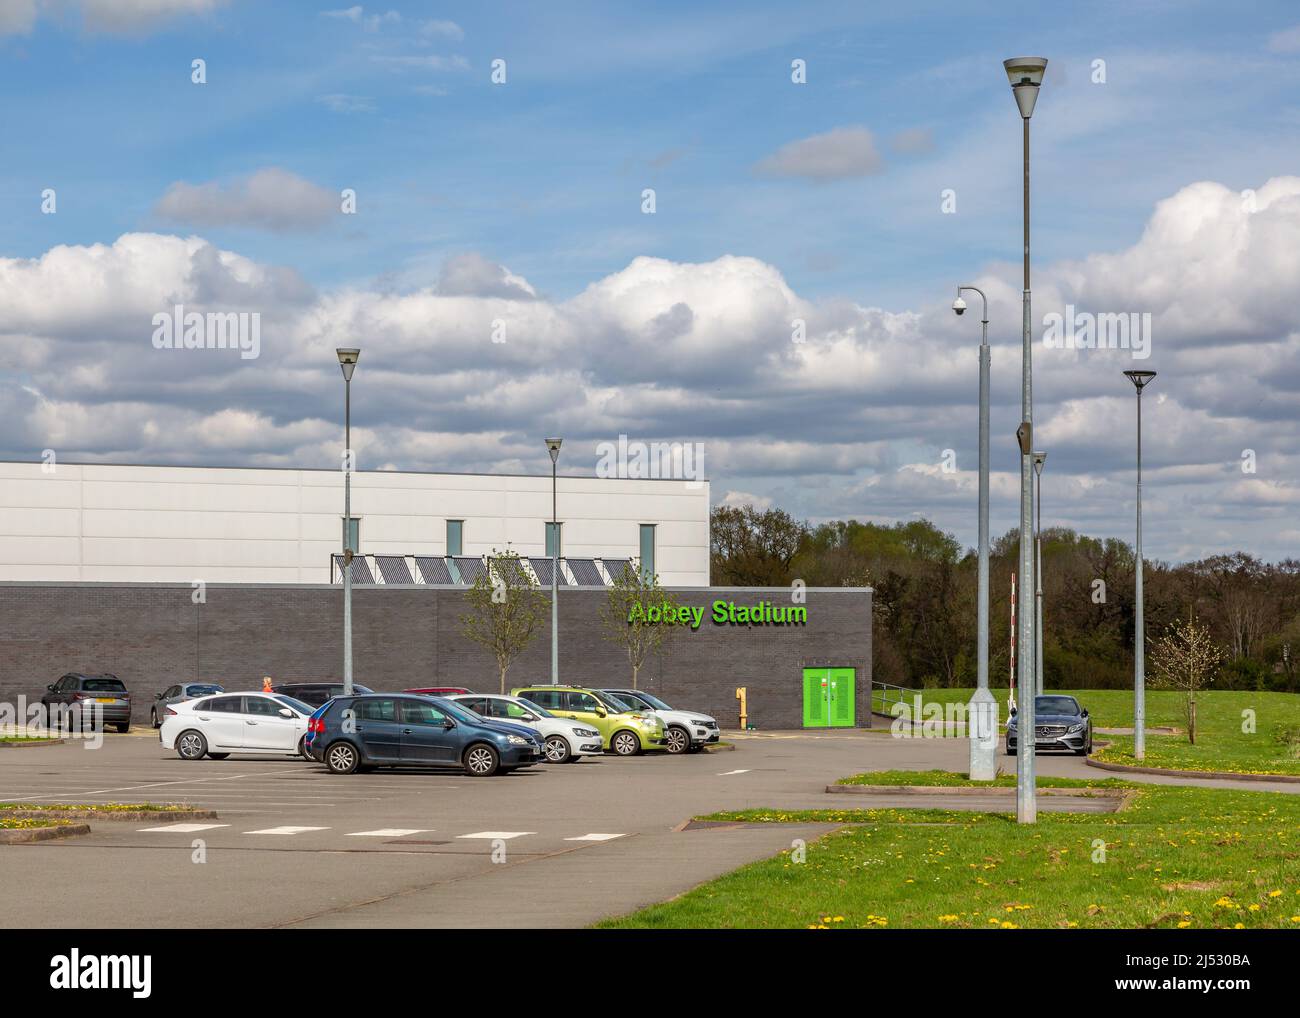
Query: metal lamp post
x,y
1140,379
982,730
1039,459
553,447
348,362
1026,77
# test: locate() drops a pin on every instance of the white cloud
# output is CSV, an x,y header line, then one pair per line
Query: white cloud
x,y
835,155
129,16
1286,40
269,199
341,102
17,17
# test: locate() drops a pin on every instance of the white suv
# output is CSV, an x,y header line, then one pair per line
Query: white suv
x,y
685,731
563,741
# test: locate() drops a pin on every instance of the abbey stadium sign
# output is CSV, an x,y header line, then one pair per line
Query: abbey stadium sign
x,y
721,613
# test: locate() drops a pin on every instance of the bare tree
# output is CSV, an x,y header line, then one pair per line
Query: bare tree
x,y
506,609
1186,659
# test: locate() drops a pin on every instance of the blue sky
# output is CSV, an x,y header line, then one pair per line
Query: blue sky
x,y
543,175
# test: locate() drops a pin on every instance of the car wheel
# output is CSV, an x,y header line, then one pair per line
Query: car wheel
x,y
123,729
302,748
191,745
625,743
1011,750
218,756
679,740
342,758
153,718
481,761
557,750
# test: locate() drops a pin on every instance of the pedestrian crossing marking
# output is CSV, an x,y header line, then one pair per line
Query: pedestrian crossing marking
x,y
390,832
287,830
498,835
180,828
597,837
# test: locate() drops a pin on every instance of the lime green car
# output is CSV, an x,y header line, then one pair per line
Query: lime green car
x,y
625,731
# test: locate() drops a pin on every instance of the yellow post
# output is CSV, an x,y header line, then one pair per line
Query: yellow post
x,y
741,692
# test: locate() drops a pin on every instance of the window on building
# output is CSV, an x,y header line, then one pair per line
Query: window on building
x,y
352,533
554,540
647,550
455,535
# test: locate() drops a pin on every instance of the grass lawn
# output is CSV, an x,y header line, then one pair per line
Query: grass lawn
x,y
1175,858
1221,745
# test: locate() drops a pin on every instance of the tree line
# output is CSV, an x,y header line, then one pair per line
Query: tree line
x,y
923,628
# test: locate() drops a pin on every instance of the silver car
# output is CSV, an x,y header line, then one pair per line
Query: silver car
x,y
179,693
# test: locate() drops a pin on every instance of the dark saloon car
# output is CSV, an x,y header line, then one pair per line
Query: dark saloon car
x,y
316,693
1059,723
405,730
179,693
88,697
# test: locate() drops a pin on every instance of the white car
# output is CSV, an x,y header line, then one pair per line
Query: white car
x,y
563,741
685,731
216,726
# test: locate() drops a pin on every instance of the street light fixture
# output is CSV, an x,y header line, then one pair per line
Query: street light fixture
x,y
348,357
983,726
553,447
1140,380
1039,459
1026,76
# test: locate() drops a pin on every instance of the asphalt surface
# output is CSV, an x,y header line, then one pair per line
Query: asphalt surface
x,y
295,846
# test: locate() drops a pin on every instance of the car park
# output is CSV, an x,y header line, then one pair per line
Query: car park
x,y
358,733
179,693
623,730
217,726
1060,722
101,698
563,741
316,693
684,731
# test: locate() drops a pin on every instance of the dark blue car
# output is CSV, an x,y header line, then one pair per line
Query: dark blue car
x,y
352,733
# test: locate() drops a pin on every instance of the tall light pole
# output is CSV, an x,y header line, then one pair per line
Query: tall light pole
x,y
553,447
1039,459
1140,379
982,730
348,362
1026,76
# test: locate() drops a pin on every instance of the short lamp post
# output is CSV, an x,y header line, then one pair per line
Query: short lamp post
x,y
553,447
348,362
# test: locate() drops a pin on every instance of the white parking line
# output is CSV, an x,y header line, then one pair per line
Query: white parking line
x,y
497,835
391,832
287,830
723,774
180,828
597,837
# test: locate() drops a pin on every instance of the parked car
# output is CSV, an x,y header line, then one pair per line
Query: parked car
x,y
316,693
358,733
685,731
95,697
179,693
216,726
563,741
438,690
625,731
1059,723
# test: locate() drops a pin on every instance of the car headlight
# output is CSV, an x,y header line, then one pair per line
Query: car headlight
x,y
699,721
517,740
1075,728
585,733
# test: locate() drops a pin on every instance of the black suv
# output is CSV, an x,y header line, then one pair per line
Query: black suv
x,y
316,693
1059,723
80,697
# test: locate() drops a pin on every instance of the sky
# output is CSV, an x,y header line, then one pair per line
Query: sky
x,y
735,225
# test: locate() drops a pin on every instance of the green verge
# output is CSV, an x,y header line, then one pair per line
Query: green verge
x,y
1176,857
103,807
950,779
20,823
1221,744
26,738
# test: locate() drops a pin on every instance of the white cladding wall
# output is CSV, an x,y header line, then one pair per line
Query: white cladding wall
x,y
229,525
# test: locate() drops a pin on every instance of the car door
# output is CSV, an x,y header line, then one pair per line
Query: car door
x,y
503,709
426,734
265,728
586,708
378,728
222,723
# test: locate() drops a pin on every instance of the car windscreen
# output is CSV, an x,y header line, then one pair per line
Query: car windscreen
x,y
103,686
1056,705
298,705
459,711
203,690
615,703
653,701
537,709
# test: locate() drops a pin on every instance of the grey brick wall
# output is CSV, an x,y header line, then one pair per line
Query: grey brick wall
x,y
152,635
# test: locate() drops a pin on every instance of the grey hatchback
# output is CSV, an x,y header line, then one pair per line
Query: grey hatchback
x,y
77,697
179,693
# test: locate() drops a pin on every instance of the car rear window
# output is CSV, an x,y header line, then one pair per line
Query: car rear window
x,y
202,690
103,686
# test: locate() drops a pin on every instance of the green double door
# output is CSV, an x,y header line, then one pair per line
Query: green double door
x,y
828,697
